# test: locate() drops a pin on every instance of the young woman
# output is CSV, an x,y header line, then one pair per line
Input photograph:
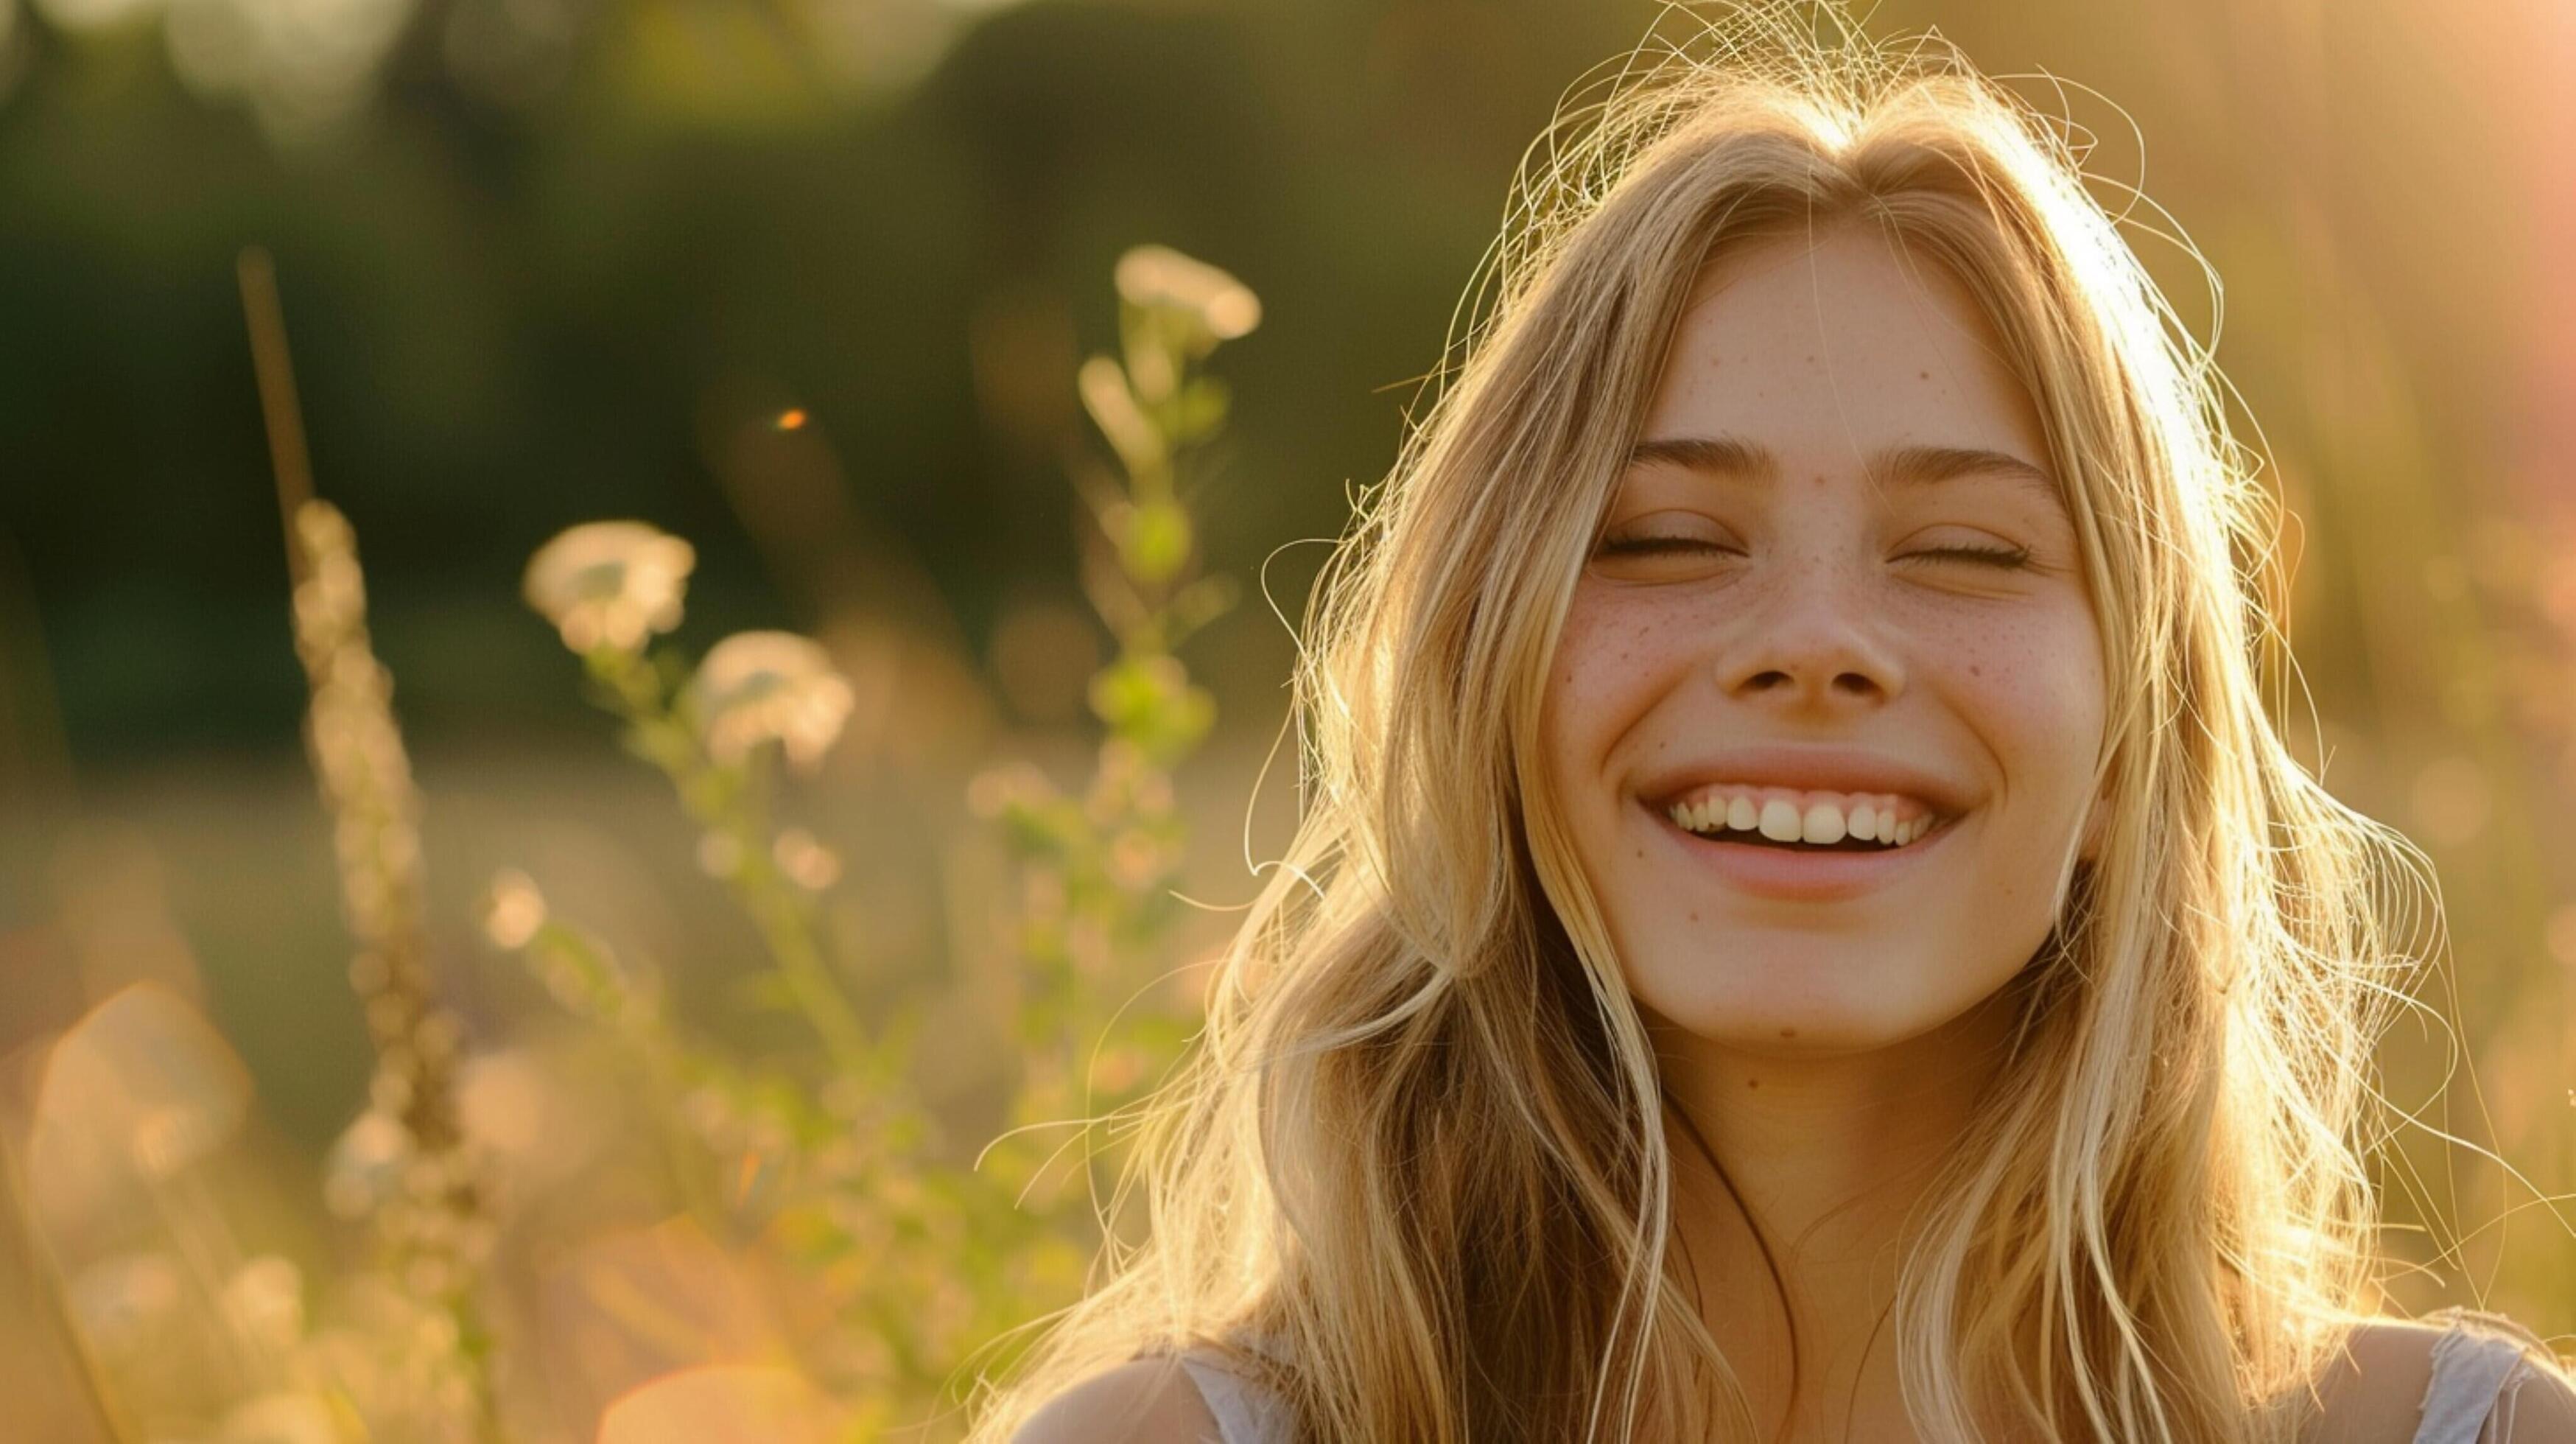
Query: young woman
x,y
1802,929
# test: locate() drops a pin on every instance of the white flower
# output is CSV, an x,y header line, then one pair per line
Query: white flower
x,y
756,687
807,862
1161,276
513,910
610,583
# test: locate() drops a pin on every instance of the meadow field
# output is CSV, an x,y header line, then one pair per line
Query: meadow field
x,y
643,652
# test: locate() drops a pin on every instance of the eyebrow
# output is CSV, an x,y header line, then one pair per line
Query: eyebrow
x,y
1733,456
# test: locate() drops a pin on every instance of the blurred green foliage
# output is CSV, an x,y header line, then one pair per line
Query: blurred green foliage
x,y
877,1267
513,315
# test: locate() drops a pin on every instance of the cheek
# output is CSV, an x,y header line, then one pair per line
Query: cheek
x,y
1616,656
2037,686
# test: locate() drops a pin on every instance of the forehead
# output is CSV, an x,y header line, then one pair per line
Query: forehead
x,y
1825,352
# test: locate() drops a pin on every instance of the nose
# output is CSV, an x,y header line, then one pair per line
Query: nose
x,y
1814,649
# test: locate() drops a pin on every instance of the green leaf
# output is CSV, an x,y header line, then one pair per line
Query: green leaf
x,y
1202,408
769,991
1154,542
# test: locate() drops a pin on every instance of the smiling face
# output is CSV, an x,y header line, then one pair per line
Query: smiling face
x,y
1838,559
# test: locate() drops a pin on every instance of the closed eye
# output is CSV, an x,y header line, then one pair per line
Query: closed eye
x,y
1978,556
2006,558
1629,546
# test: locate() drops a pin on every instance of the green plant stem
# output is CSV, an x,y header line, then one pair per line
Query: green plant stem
x,y
782,924
728,805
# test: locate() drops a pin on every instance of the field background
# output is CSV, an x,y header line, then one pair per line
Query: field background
x,y
547,261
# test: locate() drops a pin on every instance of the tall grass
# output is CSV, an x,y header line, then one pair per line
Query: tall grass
x,y
607,1222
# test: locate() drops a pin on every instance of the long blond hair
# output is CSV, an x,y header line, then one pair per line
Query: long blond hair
x,y
1415,1168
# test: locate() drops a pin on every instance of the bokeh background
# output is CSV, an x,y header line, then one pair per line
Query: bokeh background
x,y
807,282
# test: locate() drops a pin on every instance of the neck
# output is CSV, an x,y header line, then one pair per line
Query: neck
x,y
1815,1160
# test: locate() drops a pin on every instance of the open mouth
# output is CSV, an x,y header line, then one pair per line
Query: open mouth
x,y
1718,831
1756,839
1810,872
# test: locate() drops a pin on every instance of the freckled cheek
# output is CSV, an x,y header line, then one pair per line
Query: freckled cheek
x,y
1612,663
2038,695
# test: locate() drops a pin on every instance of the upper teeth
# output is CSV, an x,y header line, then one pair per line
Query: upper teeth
x,y
1787,815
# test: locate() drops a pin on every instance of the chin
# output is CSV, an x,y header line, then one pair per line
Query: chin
x,y
1794,1004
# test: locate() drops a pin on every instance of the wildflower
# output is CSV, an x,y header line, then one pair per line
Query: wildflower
x,y
610,583
357,755
1136,859
1150,701
756,687
1158,276
365,1165
808,863
585,976
365,774
1105,394
513,910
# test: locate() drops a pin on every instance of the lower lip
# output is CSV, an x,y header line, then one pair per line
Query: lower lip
x,y
1774,872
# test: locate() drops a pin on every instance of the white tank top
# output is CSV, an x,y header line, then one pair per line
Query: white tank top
x,y
2477,1365
1246,1410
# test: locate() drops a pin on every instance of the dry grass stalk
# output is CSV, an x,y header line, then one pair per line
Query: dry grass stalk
x,y
434,1223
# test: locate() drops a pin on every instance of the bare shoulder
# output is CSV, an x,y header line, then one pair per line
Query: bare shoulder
x,y
1144,1401
2542,1408
2374,1393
